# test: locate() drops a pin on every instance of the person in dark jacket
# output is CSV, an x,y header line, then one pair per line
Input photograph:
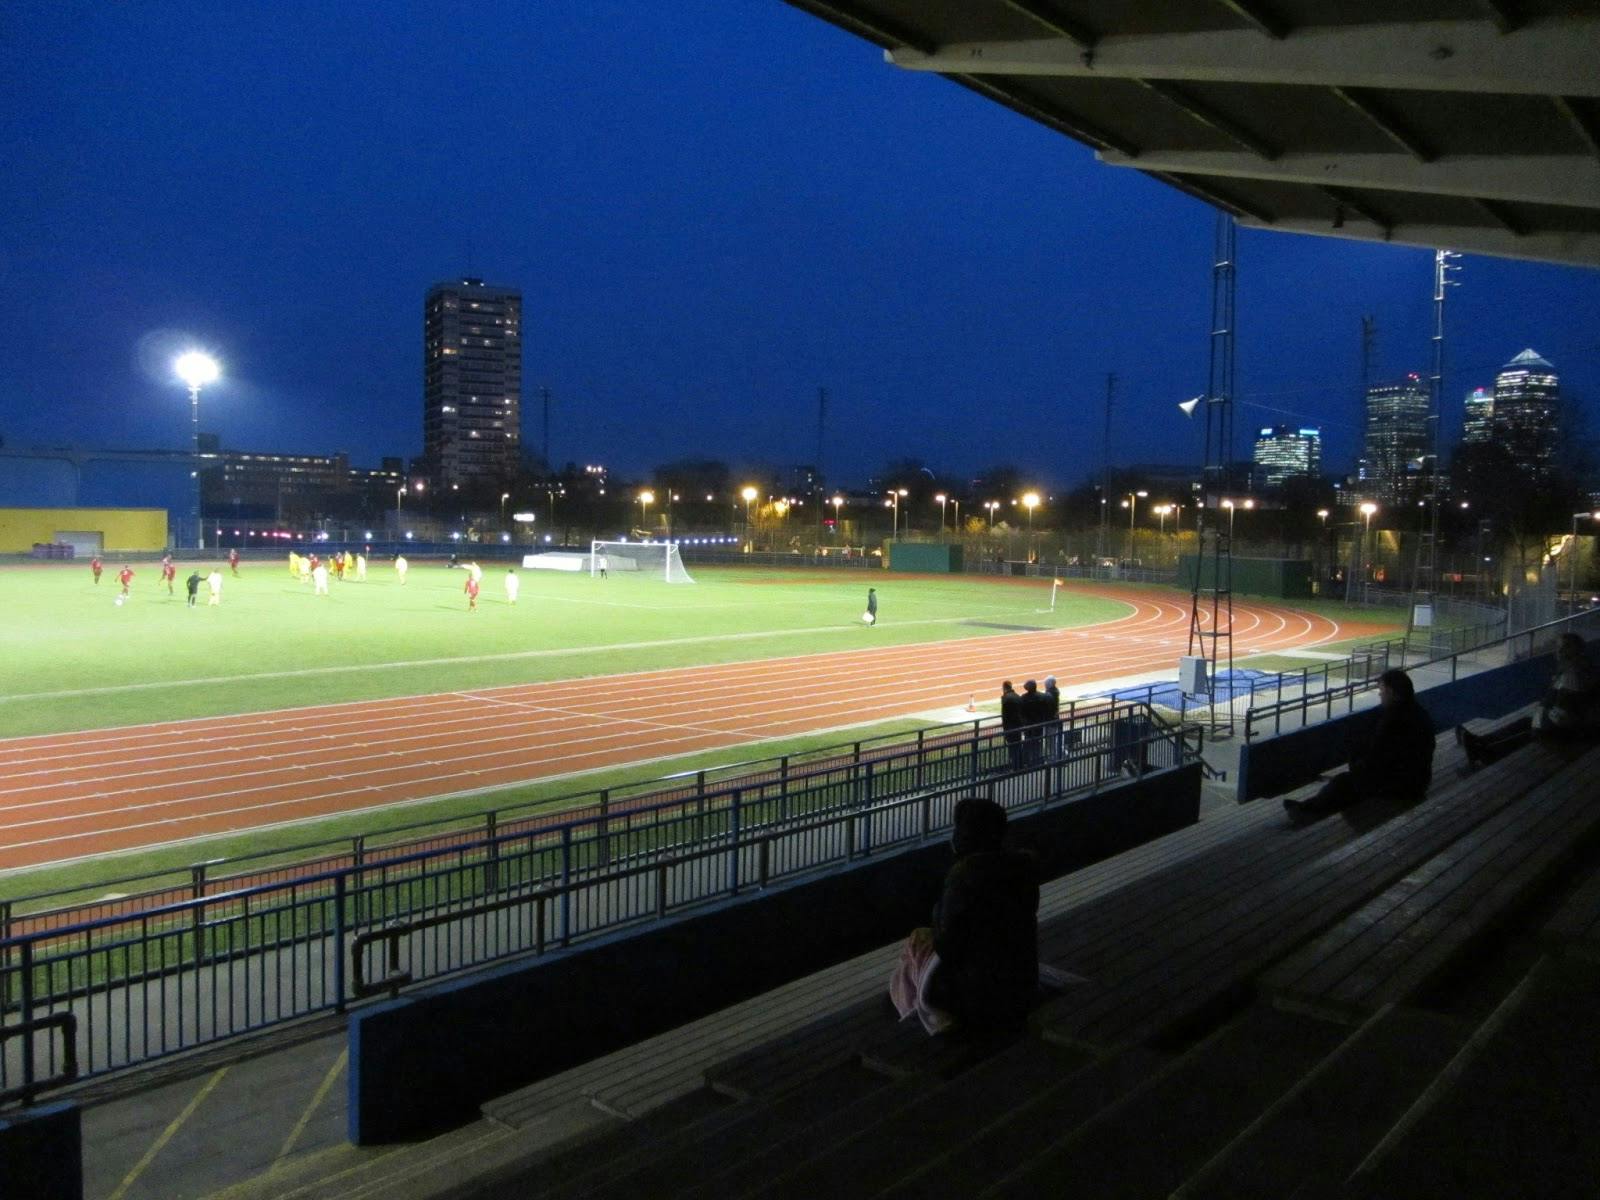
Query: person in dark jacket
x,y
1035,713
1052,731
977,967
1011,722
985,926
1570,711
1398,763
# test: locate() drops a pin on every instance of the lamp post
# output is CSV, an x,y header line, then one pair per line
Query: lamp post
x,y
196,369
1367,510
1030,501
646,499
1132,505
399,502
894,503
747,495
991,505
1322,515
504,496
941,498
1161,516
955,526
1572,575
838,503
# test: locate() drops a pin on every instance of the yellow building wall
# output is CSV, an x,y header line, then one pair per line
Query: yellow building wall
x,y
121,528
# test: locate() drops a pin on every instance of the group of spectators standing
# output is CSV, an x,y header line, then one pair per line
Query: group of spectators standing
x,y
1031,720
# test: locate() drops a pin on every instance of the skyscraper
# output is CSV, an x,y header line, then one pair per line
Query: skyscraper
x,y
1283,451
471,382
1527,412
1478,427
1396,442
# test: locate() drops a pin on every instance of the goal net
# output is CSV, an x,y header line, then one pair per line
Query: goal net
x,y
658,559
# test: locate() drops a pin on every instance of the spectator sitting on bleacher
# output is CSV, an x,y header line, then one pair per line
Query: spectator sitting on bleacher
x,y
1397,765
978,966
1570,710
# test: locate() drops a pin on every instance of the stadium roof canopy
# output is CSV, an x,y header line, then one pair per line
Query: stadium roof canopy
x,y
1467,124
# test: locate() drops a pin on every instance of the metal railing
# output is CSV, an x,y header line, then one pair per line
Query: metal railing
x,y
143,985
1508,647
113,895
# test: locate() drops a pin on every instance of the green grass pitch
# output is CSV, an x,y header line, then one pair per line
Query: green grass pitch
x,y
70,658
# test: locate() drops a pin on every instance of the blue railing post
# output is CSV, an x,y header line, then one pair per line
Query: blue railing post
x,y
566,881
734,826
28,1074
339,932
865,841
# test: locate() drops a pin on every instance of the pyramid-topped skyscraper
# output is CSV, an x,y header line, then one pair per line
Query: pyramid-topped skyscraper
x,y
1527,412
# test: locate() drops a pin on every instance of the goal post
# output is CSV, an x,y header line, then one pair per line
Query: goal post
x,y
659,560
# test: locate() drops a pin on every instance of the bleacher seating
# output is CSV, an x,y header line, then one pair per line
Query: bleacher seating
x,y
1263,1018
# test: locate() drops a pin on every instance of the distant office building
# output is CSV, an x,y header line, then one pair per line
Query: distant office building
x,y
1396,439
1285,451
1478,427
1527,412
245,485
471,382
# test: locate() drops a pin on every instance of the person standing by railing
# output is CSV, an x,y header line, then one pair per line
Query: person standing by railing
x,y
1035,715
1052,695
1011,721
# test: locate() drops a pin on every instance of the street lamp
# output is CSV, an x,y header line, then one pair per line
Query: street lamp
x,y
504,496
1572,575
646,499
748,494
1161,513
837,502
1132,505
894,502
941,498
196,369
991,505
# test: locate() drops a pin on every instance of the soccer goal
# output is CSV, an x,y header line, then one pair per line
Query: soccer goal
x,y
659,560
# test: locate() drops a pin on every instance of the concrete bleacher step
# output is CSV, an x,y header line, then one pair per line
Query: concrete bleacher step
x,y
1179,951
963,1159
1514,1113
1325,1124
1390,948
1574,929
1150,1141
893,1140
677,1158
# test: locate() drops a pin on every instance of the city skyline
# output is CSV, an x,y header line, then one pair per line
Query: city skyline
x,y
696,266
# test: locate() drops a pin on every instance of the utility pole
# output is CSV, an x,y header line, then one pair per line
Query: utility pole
x,y
1105,470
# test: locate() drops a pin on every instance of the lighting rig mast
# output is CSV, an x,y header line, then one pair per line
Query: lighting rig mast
x,y
1211,601
1425,577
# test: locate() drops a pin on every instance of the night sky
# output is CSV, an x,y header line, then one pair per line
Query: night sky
x,y
712,208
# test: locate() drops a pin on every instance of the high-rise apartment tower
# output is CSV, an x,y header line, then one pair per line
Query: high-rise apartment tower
x,y
471,382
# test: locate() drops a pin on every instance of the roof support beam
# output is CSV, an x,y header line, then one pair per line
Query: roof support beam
x,y
1050,115
1387,123
1569,179
1211,118
1499,214
1556,55
1503,13
1580,249
1215,198
867,25
1048,16
1582,118
1259,15
1344,200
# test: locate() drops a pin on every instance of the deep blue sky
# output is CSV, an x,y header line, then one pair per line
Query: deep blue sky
x,y
712,208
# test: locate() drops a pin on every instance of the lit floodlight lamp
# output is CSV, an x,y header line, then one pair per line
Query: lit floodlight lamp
x,y
197,369
1187,407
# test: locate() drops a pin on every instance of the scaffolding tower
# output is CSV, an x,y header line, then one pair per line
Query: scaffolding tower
x,y
1211,601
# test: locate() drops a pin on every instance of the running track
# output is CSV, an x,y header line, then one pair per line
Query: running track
x,y
76,794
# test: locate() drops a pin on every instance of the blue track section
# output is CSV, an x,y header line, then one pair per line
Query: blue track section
x,y
1167,694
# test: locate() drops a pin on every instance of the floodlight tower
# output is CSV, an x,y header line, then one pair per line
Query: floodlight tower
x,y
196,369
1424,579
1213,639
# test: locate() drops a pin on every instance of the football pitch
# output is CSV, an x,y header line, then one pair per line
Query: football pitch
x,y
73,659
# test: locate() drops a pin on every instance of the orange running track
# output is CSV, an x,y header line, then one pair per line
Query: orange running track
x,y
73,795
